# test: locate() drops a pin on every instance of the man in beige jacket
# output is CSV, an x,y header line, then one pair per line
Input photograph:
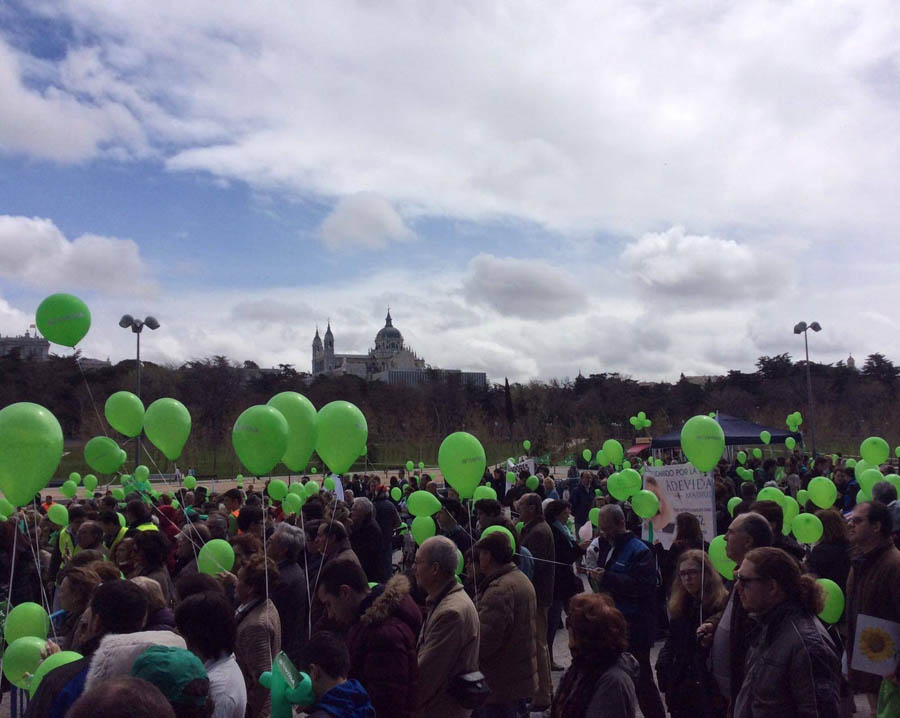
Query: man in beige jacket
x,y
448,642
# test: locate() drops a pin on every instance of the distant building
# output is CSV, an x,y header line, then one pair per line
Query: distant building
x,y
28,346
88,364
390,361
851,362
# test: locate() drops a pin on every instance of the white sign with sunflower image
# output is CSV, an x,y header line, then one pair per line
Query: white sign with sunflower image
x,y
877,646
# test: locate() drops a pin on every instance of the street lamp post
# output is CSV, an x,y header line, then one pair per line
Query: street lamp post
x,y
137,326
803,328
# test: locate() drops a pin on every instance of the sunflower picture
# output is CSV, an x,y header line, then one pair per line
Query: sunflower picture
x,y
876,644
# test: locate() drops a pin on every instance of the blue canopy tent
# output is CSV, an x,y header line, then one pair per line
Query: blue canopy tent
x,y
738,432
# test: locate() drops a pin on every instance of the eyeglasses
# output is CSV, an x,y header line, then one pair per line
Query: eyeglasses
x,y
746,579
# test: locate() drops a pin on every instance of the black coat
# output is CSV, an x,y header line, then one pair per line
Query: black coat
x,y
366,541
292,601
565,583
832,561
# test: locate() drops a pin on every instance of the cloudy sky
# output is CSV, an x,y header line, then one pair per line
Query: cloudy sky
x,y
534,188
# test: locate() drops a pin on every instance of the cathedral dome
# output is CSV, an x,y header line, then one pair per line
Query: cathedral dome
x,y
388,336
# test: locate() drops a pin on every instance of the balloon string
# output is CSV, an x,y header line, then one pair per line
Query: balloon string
x,y
306,574
266,564
12,568
90,394
474,572
35,551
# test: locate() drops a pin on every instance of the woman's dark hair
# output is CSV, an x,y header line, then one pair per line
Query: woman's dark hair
x,y
311,529
253,574
153,547
687,529
249,515
781,567
880,514
138,510
193,583
206,620
834,527
598,627
122,697
247,543
343,572
82,582
121,606
554,509
83,558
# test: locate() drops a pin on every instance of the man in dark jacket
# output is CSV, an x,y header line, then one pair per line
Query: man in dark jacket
x,y
388,519
537,537
582,499
382,624
291,594
366,539
629,574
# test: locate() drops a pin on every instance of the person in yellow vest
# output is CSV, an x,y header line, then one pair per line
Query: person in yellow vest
x,y
137,517
67,544
113,531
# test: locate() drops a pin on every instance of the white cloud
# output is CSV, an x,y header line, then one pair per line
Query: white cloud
x,y
530,289
363,220
34,251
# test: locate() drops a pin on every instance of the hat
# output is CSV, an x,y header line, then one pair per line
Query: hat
x,y
171,669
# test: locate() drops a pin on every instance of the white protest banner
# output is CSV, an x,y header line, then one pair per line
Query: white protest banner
x,y
527,465
680,488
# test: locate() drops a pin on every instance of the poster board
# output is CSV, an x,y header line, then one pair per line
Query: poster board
x,y
680,488
876,646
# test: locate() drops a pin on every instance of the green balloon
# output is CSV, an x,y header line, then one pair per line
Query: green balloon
x,y
313,470
802,497
834,601
423,528
822,492
48,664
613,451
328,483
502,530
861,467
167,423
303,423
277,489
58,514
142,473
770,493
618,486
719,558
342,435
103,455
215,556
297,489
76,477
291,504
789,509
645,504
594,516
765,436
790,442
69,489
875,450
633,481
259,438
587,454
31,445
862,495
396,494
742,457
703,442
484,492
121,516
6,508
190,482
732,504
460,562
462,461
26,619
21,660
312,488
421,465
757,453
423,503
895,480
850,463
519,526
897,451
807,528
63,319
869,478
526,445
510,477
118,494
657,462
532,482
125,413
626,464
410,466
601,458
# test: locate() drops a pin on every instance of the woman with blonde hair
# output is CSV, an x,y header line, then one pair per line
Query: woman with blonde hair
x,y
697,593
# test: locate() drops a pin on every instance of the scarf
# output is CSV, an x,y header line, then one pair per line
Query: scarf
x,y
576,689
565,532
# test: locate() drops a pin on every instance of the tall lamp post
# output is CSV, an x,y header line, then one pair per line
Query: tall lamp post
x,y
803,328
137,326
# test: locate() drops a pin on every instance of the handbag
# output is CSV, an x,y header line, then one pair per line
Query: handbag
x,y
470,690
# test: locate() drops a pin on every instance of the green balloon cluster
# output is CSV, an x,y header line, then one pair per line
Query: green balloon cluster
x,y
462,461
125,413
215,556
259,437
167,424
63,319
794,420
31,445
640,421
303,427
703,442
21,660
342,435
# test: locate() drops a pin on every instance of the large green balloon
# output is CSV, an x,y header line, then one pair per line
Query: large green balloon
x,y
869,478
26,619
423,503
63,319
291,504
834,601
423,528
302,420
633,481
167,424
789,510
103,455
719,558
770,493
860,467
617,486
462,461
807,528
58,514
125,413
142,473
342,435
875,450
703,442
21,659
484,492
601,458
69,489
822,492
312,488
645,504
215,556
48,664
277,489
31,444
613,451
732,504
259,438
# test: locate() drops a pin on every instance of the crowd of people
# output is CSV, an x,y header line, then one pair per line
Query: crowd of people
x,y
465,622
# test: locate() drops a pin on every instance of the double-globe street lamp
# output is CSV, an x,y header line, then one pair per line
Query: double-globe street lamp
x,y
137,326
803,328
